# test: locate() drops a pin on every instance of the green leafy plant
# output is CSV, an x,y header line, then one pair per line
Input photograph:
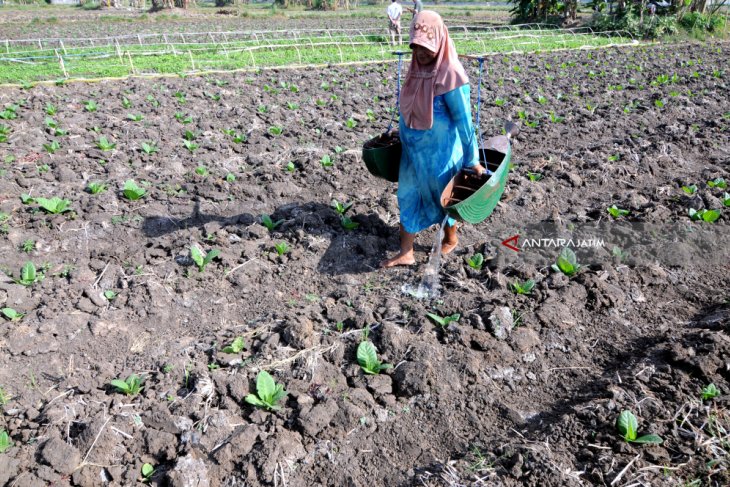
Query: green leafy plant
x,y
281,248
499,101
29,275
181,97
28,246
236,346
90,106
275,130
444,321
230,177
717,183
131,191
523,287
326,161
135,117
628,427
150,148
50,109
104,144
110,295
726,199
690,190
567,262
200,259
347,223
5,442
52,147
96,187
614,157
190,145
709,216
268,392
130,386
4,132
476,261
350,123
54,205
126,103
556,118
147,472
269,223
711,391
367,358
290,167
183,119
616,212
534,176
11,314
292,106
202,171
340,208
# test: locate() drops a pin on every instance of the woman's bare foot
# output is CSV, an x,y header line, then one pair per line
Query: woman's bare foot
x,y
450,241
400,259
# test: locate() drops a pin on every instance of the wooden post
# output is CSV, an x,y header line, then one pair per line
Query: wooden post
x,y
192,62
131,64
63,48
119,50
63,67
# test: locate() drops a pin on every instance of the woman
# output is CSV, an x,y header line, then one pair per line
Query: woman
x,y
436,131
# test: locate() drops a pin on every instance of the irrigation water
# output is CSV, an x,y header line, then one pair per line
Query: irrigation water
x,y
429,286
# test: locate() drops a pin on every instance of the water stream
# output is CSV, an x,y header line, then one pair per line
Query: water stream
x,y
429,285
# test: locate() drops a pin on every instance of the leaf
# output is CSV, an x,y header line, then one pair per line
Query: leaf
x,y
265,386
11,314
367,357
236,346
197,255
567,262
627,425
5,442
437,319
132,191
28,274
650,439
252,399
120,385
210,256
147,470
710,216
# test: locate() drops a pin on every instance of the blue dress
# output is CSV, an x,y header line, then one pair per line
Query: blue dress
x,y
432,157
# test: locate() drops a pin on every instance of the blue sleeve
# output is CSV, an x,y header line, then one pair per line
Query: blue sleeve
x,y
458,102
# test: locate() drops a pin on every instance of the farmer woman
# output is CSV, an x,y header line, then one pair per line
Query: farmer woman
x,y
436,131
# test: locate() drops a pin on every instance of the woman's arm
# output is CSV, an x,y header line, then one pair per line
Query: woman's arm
x,y
458,102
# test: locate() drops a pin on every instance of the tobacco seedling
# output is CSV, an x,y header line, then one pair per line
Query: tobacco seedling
x,y
5,442
90,106
268,392
104,144
523,287
125,103
534,176
567,262
690,190
275,130
290,167
131,191
711,391
150,148
717,183
4,132
50,109
340,208
351,123
281,248
348,224
201,171
617,212
202,260
96,187
709,216
292,106
183,119
29,275
54,205
110,295
326,161
230,177
444,321
499,102
556,118
11,314
135,117
52,147
476,261
614,157
130,386
190,145
147,472
367,358
236,346
269,223
189,135
726,199
628,426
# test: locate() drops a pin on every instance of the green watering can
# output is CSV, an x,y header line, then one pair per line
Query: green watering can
x,y
472,198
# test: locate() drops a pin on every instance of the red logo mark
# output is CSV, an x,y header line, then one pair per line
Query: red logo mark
x,y
513,239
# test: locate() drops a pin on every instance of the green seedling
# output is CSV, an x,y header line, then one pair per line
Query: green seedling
x,y
181,97
4,132
717,183
189,135
130,386
29,275
190,145
476,261
126,103
614,157
275,130
183,119
268,392
90,106
348,224
659,103
628,426
290,167
541,100
214,96
523,287
110,295
339,150
150,148
28,246
726,199
292,106
96,187
147,472
499,101
350,123
534,176
230,177
710,392
54,205
340,208
326,161
370,115
367,357
617,212
5,442
131,191
690,190
202,260
50,109
709,216
281,248
201,171
262,109
135,117
444,321
26,199
52,147
228,132
269,223
236,346
44,168
567,262
10,112
11,314
104,144
4,397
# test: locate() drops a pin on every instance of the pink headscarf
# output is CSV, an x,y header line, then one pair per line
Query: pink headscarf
x,y
423,83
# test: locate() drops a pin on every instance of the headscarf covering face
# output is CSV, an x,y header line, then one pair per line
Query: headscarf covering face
x,y
425,82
